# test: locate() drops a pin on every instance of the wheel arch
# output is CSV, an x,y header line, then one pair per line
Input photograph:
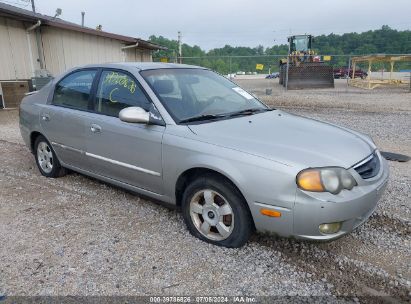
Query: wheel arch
x,y
33,137
195,172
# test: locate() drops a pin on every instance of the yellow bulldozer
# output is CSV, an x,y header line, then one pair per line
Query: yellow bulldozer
x,y
305,69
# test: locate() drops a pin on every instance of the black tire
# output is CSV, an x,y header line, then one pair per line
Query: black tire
x,y
242,220
56,170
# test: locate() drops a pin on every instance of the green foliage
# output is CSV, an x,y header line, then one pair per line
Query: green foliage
x,y
384,40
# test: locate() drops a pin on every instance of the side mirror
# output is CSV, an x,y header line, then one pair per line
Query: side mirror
x,y
134,115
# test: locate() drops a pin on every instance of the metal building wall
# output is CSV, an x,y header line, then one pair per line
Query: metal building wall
x,y
15,50
136,54
63,49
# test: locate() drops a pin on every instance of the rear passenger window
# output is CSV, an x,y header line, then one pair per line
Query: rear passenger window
x,y
117,91
74,90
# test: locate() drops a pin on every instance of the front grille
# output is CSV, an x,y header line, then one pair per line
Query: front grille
x,y
370,168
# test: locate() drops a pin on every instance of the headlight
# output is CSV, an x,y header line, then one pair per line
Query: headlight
x,y
331,180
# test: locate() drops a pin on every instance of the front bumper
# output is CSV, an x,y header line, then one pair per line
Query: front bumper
x,y
311,209
351,207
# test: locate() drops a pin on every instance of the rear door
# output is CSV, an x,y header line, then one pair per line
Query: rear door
x,y
126,152
62,120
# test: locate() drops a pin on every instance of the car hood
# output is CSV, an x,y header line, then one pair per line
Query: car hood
x,y
287,139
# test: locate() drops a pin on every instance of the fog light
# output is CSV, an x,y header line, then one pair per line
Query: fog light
x,y
330,228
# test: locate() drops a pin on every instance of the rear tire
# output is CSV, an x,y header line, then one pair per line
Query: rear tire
x,y
216,212
46,158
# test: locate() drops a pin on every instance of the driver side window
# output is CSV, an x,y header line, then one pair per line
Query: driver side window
x,y
116,91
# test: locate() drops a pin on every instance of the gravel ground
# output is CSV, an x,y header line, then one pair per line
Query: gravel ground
x,y
77,236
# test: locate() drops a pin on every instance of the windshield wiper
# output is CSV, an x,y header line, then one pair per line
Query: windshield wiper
x,y
249,112
202,117
215,116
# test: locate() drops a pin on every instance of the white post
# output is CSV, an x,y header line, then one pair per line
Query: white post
x,y
349,69
180,53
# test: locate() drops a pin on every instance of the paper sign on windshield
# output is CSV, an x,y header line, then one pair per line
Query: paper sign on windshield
x,y
243,93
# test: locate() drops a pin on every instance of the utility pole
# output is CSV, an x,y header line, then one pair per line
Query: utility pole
x,y
33,6
180,54
288,65
174,56
38,40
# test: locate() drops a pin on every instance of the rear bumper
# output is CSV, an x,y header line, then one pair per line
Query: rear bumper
x,y
25,134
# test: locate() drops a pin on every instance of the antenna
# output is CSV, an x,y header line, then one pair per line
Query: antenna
x,y
58,12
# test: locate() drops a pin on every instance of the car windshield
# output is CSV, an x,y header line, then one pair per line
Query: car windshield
x,y
200,95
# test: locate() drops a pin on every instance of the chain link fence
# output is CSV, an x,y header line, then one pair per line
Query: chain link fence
x,y
319,71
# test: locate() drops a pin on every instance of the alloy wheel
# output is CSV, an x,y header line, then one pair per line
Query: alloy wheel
x,y
212,215
45,157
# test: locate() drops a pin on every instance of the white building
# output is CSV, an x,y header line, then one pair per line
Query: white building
x,y
33,44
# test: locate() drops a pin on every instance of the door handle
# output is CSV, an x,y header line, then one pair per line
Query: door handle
x,y
95,128
45,117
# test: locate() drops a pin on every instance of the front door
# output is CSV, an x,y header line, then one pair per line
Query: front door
x,y
126,152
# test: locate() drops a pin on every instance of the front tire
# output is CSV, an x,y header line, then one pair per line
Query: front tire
x,y
46,158
216,212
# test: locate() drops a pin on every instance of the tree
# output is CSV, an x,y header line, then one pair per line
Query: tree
x,y
385,40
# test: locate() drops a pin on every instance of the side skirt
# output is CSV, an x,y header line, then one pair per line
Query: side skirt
x,y
158,198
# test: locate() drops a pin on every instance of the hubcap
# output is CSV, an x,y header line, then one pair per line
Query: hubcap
x,y
45,157
212,215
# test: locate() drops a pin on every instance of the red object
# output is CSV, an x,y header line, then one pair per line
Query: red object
x,y
343,73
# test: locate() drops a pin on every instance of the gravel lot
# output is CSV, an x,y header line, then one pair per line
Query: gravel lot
x,y
77,236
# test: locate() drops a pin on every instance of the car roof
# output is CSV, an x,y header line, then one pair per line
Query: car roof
x,y
144,65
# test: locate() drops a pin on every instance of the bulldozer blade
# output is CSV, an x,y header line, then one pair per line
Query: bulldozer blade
x,y
309,77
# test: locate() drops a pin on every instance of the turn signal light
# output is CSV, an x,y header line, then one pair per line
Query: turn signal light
x,y
270,213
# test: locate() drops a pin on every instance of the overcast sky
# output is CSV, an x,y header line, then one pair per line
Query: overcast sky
x,y
214,23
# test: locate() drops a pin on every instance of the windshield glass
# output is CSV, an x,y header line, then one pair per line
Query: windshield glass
x,y
301,44
193,93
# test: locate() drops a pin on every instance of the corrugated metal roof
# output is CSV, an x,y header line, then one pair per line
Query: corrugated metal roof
x,y
14,12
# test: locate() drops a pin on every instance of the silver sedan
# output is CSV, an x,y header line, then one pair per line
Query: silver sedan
x,y
189,137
